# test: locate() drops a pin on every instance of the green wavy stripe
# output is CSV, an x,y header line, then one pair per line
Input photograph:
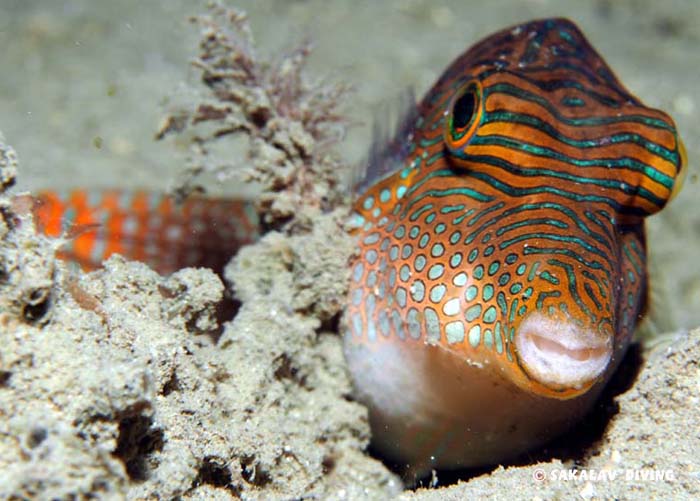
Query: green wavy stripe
x,y
556,238
515,191
594,265
572,286
543,206
506,88
540,151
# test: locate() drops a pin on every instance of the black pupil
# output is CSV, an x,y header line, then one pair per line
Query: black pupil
x,y
463,109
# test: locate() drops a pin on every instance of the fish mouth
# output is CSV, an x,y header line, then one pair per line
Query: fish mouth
x,y
560,354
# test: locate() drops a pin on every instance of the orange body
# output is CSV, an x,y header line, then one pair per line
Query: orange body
x,y
145,227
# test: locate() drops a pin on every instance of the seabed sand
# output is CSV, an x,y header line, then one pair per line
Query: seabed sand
x,y
122,384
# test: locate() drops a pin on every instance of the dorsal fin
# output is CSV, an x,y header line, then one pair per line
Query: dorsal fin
x,y
390,142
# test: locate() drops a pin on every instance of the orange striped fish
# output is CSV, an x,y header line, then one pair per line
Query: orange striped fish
x,y
146,227
501,267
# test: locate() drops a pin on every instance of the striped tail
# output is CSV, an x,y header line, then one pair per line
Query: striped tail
x,y
145,227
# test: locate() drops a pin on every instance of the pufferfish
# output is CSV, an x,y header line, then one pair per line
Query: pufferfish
x,y
501,267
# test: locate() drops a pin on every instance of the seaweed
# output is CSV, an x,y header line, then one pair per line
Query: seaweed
x,y
291,122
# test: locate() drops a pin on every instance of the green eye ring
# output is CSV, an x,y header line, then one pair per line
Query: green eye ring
x,y
463,115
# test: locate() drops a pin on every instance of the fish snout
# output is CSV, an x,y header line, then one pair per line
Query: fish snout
x,y
561,354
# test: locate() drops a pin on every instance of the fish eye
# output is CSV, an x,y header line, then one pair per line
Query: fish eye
x,y
463,109
463,115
